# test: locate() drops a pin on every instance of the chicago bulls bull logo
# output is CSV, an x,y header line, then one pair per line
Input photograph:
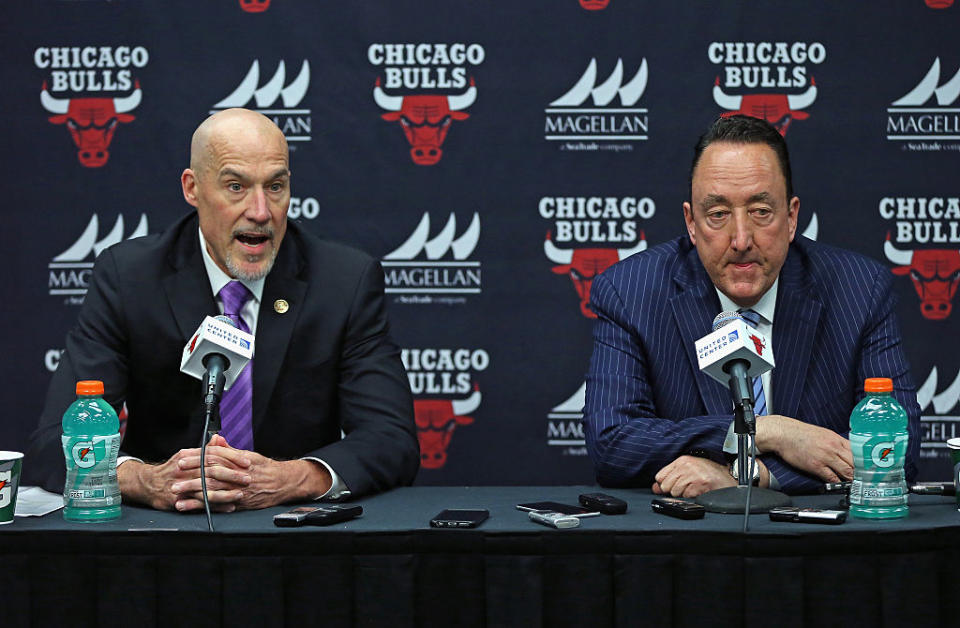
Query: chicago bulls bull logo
x,y
585,264
594,5
91,121
777,109
254,6
935,274
425,119
939,4
436,421
758,344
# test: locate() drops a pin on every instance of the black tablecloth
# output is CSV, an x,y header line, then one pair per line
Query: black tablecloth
x,y
389,568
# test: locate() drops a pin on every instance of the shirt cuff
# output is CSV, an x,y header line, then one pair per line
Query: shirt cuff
x,y
123,459
338,489
730,442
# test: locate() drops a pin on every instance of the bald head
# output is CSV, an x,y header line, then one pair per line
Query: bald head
x,y
214,134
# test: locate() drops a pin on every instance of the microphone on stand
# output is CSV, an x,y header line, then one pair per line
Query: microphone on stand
x,y
216,354
733,354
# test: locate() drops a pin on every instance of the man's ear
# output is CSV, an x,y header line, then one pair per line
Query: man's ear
x,y
188,181
793,216
691,224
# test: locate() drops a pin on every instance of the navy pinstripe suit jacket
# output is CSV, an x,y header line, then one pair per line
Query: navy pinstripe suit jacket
x,y
647,402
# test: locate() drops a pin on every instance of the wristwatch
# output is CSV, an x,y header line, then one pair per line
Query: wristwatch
x,y
735,471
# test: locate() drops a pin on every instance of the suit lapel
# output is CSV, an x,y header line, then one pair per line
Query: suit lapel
x,y
188,288
274,329
694,308
794,330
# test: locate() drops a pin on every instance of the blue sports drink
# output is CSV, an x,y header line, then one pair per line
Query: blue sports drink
x,y
878,438
91,441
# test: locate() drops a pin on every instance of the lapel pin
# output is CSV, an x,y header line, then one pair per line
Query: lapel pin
x,y
280,306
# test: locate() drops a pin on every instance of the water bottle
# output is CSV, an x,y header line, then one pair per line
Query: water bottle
x,y
91,441
878,438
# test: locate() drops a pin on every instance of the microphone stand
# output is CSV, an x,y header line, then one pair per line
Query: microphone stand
x,y
744,496
213,387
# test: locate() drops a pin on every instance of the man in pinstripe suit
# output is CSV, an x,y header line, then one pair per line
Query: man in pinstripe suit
x,y
653,419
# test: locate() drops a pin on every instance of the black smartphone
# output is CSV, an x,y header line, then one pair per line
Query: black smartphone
x,y
323,515
676,507
607,504
565,509
808,515
459,518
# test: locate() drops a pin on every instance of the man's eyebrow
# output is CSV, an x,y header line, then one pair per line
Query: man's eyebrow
x,y
230,172
761,197
711,200
282,173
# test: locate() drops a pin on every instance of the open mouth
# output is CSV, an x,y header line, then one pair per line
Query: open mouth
x,y
252,239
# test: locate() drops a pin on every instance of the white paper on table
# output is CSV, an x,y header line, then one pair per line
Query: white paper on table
x,y
33,501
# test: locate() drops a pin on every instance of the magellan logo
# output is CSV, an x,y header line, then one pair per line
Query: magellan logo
x,y
91,120
599,222
938,422
69,272
438,74
935,272
587,113
564,427
438,274
441,381
762,66
276,99
921,123
254,6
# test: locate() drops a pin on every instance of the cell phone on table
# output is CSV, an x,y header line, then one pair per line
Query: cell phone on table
x,y
676,507
565,509
460,518
808,515
322,515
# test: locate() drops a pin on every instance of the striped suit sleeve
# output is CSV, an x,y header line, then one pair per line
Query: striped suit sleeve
x,y
626,439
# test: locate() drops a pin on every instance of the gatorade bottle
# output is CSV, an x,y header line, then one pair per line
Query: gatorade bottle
x,y
91,441
878,438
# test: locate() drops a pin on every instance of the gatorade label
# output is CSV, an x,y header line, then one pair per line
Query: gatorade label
x,y
874,455
91,471
878,452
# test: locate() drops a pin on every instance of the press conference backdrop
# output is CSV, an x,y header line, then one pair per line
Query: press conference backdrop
x,y
495,156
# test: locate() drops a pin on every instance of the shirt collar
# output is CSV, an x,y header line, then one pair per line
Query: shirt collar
x,y
764,307
218,278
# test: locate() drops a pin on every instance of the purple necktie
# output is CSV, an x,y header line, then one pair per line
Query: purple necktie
x,y
236,407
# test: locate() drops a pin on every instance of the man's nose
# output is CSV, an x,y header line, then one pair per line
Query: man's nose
x,y
742,237
258,211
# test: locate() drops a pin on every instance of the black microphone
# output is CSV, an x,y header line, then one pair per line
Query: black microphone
x,y
741,385
216,364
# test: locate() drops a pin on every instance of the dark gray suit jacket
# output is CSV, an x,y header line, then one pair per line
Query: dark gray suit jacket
x,y
647,401
326,364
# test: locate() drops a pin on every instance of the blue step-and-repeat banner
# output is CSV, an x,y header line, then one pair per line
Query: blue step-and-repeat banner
x,y
495,156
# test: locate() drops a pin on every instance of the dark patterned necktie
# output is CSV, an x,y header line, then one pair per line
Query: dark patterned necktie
x,y
759,400
236,406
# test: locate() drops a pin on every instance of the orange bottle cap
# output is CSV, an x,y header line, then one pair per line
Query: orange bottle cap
x,y
90,387
878,384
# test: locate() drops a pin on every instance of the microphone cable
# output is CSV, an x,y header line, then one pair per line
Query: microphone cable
x,y
203,466
752,465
